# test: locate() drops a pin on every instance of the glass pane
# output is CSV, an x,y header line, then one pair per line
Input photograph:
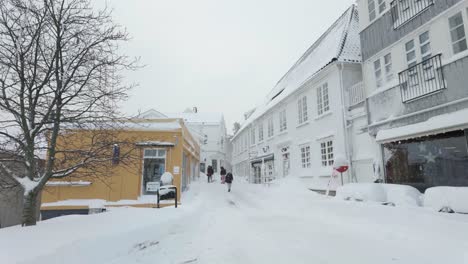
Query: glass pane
x,y
426,48
424,37
431,161
458,33
456,20
388,58
409,45
411,56
459,46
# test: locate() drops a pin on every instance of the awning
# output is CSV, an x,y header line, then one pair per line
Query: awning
x,y
436,125
155,144
263,158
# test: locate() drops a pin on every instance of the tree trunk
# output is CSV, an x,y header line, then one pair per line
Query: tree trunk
x,y
30,209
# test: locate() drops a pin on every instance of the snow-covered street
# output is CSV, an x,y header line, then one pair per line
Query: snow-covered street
x,y
283,223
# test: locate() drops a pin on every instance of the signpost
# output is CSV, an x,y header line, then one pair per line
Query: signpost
x,y
341,165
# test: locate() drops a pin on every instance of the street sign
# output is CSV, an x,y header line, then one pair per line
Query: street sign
x,y
152,186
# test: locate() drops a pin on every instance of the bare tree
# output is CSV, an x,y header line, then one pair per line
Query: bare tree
x,y
60,70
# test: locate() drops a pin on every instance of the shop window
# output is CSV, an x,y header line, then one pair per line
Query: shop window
x,y
439,160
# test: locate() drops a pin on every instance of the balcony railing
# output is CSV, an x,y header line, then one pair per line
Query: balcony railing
x,y
356,94
422,79
405,10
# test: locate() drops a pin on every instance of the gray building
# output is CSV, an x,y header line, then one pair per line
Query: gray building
x,y
415,67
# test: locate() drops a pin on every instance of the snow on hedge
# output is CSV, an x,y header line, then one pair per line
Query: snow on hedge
x,y
400,195
439,198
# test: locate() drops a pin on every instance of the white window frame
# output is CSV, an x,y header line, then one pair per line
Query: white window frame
x,y
302,110
451,29
305,157
425,43
327,155
160,153
372,10
382,6
271,127
283,121
261,135
413,61
388,66
323,100
378,73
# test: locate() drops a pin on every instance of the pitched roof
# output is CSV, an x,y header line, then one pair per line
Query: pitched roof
x,y
339,43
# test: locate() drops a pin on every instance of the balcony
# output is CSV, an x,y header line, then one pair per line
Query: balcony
x,y
356,94
422,79
405,10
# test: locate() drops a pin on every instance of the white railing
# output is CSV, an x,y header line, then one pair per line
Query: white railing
x,y
356,94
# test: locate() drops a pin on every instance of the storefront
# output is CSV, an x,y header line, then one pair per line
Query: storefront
x,y
263,169
436,160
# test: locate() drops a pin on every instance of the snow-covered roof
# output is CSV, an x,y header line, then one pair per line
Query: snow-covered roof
x,y
68,183
156,144
152,114
207,118
339,43
169,125
435,125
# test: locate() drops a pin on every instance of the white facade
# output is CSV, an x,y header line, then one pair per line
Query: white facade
x,y
415,60
210,129
309,118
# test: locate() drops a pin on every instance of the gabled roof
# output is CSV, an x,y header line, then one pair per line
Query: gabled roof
x,y
340,43
152,114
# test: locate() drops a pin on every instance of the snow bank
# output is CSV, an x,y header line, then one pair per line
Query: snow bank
x,y
455,198
400,195
362,191
403,195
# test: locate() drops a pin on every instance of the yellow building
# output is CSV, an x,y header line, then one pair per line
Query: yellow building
x,y
151,148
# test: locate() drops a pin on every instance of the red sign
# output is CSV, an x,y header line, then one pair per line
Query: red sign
x,y
342,169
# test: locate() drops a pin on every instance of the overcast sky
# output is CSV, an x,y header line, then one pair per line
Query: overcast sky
x,y
218,55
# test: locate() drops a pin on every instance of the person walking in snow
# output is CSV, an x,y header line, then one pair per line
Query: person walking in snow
x,y
223,174
209,173
229,179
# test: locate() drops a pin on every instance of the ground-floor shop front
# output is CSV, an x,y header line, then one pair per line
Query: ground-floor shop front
x,y
423,162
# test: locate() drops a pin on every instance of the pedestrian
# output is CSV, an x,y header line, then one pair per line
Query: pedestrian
x,y
229,179
223,174
209,173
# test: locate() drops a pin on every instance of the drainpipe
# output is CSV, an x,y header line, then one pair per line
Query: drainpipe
x,y
345,129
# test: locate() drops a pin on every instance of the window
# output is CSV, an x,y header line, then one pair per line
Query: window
x,y
388,67
252,136
457,32
305,157
283,122
302,110
271,130
423,162
327,153
260,133
154,153
323,104
371,8
378,73
410,53
382,6
425,46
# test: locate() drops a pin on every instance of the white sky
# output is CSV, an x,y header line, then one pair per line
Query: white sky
x,y
217,55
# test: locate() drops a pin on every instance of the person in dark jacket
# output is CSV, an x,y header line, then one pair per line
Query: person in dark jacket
x,y
223,174
229,179
209,173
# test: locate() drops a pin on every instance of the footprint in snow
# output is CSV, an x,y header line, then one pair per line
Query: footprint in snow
x,y
144,245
